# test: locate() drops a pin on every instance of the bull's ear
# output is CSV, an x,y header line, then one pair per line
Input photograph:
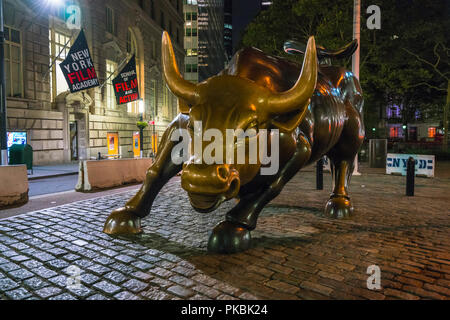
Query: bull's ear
x,y
183,106
288,122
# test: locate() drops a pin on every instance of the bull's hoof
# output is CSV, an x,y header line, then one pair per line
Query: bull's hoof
x,y
339,208
229,237
122,222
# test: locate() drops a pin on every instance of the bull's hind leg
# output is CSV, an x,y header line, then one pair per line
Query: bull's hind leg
x,y
342,157
339,205
127,220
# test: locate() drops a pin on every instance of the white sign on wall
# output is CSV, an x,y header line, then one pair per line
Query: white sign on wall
x,y
397,163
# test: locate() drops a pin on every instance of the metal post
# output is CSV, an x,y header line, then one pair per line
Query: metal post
x,y
410,173
355,58
3,116
319,174
141,137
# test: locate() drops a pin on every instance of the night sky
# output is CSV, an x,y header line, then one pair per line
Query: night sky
x,y
243,12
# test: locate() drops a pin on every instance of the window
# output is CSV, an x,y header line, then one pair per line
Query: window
x,y
110,21
165,106
188,16
194,32
152,10
152,48
188,32
194,16
393,132
191,68
431,132
153,98
191,52
111,67
13,62
132,48
59,48
161,21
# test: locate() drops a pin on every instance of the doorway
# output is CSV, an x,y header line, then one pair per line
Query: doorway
x,y
73,141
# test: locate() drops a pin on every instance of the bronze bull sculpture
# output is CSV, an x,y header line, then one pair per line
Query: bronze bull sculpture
x,y
317,109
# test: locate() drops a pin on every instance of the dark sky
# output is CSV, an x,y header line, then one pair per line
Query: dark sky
x,y
243,12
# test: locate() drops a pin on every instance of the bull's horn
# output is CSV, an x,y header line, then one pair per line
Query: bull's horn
x,y
181,88
296,97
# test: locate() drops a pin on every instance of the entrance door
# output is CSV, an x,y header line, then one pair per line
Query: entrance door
x,y
73,141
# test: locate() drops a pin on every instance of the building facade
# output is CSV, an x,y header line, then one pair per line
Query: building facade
x,y
62,126
204,39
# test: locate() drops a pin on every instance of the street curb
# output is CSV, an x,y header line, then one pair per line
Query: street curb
x,y
52,176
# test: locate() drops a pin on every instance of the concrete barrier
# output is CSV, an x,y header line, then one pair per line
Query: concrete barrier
x,y
103,174
13,185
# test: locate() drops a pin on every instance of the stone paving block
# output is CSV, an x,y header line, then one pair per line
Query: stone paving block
x,y
124,295
8,284
44,272
180,291
115,276
80,290
35,283
48,292
107,287
135,285
20,274
18,294
64,296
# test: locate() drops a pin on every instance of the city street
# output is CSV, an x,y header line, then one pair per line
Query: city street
x,y
296,253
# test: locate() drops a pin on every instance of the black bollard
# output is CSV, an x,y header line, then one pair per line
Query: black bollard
x,y
319,174
410,173
99,156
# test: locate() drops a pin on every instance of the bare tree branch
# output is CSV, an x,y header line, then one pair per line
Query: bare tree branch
x,y
428,85
434,67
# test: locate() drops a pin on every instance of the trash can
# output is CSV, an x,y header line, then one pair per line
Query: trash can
x,y
21,154
377,153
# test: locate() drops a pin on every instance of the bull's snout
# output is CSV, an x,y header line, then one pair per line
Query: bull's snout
x,y
209,185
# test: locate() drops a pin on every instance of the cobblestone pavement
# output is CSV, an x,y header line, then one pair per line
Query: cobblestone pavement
x,y
296,253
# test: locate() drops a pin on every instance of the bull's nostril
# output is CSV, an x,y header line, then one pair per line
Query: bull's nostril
x,y
223,172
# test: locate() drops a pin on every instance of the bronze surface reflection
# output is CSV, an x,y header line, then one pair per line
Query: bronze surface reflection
x,y
317,109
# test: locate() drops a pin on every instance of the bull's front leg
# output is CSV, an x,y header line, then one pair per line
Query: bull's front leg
x,y
127,220
233,234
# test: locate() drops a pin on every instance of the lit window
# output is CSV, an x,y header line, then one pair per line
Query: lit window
x,y
13,62
133,107
431,132
110,96
59,48
393,132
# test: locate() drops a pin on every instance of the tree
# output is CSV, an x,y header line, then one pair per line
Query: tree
x,y
390,71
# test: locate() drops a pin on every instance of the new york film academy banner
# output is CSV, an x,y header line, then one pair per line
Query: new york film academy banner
x,y
78,68
126,84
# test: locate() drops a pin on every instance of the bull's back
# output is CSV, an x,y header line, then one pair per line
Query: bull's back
x,y
326,115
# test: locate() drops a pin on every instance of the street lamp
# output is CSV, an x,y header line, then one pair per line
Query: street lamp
x,y
141,128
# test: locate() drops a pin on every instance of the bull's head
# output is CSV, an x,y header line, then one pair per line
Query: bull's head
x,y
231,102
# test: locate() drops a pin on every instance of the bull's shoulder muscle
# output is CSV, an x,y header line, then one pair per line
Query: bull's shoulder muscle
x,y
273,72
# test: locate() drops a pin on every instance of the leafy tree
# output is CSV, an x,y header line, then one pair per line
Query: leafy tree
x,y
404,63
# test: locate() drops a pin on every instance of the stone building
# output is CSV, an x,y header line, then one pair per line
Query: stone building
x,y
61,126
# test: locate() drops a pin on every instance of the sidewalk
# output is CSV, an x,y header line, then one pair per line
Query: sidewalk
x,y
41,172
